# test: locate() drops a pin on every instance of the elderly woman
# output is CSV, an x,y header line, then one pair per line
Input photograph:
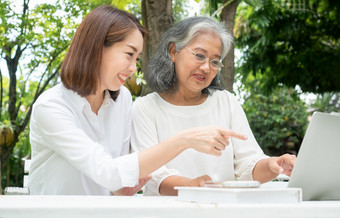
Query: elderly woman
x,y
184,73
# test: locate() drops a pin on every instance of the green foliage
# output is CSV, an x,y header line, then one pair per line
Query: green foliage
x,y
254,3
212,6
278,120
178,11
14,172
34,40
291,45
136,82
121,4
327,102
132,6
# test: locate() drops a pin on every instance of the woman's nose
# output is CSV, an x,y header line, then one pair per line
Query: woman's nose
x,y
205,66
133,67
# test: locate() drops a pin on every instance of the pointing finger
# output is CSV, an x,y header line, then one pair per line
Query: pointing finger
x,y
230,133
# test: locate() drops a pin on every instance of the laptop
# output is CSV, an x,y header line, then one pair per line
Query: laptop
x,y
317,168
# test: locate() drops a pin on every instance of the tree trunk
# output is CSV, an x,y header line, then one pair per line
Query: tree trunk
x,y
157,18
228,16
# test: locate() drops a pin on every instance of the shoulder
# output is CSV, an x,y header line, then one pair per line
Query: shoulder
x,y
50,95
223,95
59,99
149,99
124,91
145,104
55,102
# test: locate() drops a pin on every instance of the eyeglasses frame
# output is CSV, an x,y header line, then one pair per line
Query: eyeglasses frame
x,y
206,58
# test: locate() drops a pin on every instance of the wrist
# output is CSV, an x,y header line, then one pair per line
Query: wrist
x,y
166,188
180,141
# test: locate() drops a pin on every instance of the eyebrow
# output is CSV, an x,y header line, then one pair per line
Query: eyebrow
x,y
133,47
218,56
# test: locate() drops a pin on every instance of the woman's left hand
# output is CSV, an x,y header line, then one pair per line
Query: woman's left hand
x,y
283,164
129,191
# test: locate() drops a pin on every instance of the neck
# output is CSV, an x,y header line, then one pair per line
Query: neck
x,y
95,101
181,99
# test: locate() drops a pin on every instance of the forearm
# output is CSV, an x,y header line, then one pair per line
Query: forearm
x,y
209,140
262,171
168,184
156,156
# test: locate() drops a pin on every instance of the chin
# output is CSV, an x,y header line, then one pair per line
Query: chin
x,y
113,89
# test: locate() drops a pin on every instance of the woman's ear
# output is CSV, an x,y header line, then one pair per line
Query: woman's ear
x,y
172,51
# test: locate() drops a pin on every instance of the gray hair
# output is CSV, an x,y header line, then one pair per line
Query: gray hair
x,y
161,75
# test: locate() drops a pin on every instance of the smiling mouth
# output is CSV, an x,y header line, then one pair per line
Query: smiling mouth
x,y
122,78
199,77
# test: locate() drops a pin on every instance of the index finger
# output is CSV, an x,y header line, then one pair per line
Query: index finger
x,y
230,133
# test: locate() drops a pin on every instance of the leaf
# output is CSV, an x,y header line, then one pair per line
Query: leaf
x,y
292,47
254,3
121,4
43,34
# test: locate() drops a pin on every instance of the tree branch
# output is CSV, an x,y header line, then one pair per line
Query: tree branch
x,y
28,76
221,8
38,93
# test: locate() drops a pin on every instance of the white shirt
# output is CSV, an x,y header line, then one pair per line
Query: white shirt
x,y
155,120
75,151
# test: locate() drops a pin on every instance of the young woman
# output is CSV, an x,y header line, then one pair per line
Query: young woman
x,y
80,129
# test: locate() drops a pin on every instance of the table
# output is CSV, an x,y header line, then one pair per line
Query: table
x,y
154,207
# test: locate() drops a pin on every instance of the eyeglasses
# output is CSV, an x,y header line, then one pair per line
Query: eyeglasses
x,y
200,57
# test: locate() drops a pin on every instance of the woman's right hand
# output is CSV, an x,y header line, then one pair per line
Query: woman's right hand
x,y
209,139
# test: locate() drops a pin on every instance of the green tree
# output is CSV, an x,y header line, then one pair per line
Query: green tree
x,y
292,44
33,40
225,11
278,120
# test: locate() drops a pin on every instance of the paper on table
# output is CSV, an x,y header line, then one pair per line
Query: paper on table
x,y
233,184
239,195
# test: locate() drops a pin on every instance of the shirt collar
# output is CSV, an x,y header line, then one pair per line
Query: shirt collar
x,y
80,102
107,99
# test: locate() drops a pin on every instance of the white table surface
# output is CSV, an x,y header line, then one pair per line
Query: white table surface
x,y
154,207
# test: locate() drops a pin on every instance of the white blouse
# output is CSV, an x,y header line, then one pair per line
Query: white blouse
x,y
75,151
155,120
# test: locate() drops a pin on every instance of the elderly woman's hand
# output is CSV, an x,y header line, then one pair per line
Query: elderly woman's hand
x,y
269,168
199,181
283,164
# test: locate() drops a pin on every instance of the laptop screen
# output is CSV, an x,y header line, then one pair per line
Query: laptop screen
x,y
317,168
